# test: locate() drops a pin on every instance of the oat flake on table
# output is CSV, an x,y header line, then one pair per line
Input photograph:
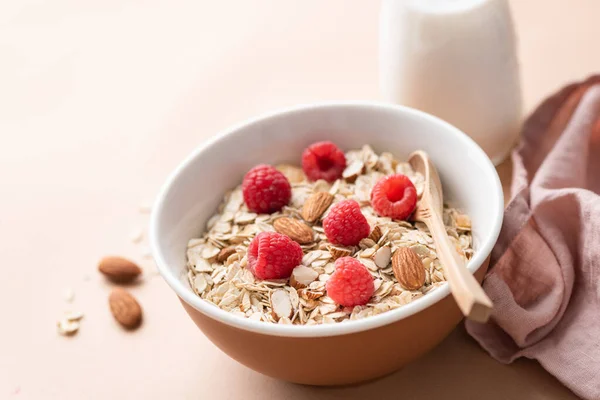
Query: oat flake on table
x,y
231,287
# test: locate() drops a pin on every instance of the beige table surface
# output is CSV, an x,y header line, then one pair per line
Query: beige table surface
x,y
100,100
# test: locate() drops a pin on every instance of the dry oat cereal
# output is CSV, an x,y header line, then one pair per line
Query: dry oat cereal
x,y
218,259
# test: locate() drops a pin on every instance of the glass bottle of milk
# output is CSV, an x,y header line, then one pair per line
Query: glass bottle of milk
x,y
455,59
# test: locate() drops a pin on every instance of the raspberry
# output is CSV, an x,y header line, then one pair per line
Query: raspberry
x,y
265,189
272,255
323,160
345,224
351,284
394,196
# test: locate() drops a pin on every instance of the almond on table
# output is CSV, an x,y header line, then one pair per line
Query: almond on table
x,y
125,308
339,246
119,269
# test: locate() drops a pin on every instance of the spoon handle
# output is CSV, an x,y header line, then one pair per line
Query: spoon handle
x,y
470,297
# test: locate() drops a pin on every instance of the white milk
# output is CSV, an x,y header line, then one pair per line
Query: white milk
x,y
455,59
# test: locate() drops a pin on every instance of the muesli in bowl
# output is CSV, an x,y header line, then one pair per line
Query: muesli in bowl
x,y
327,242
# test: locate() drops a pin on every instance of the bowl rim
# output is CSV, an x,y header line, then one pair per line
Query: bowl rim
x,y
186,294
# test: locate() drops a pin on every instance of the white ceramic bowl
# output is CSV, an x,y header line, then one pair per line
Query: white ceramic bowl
x,y
192,193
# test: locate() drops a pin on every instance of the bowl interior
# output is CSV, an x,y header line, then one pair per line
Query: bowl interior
x,y
195,189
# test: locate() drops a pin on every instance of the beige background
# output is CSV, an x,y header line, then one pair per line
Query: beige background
x,y
100,100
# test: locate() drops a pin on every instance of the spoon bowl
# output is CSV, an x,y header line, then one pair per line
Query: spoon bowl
x,y
470,297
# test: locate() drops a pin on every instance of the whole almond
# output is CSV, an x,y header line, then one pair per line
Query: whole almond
x,y
316,205
119,269
297,230
225,253
408,268
125,308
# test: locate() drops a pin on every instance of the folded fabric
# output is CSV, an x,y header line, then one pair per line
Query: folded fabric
x,y
545,274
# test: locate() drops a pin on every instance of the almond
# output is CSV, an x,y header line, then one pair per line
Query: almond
x,y
376,234
310,294
382,257
119,269
125,308
67,327
353,170
291,172
225,253
338,252
316,205
303,276
408,268
281,304
297,230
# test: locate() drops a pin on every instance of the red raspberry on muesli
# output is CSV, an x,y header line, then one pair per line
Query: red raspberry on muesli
x,y
394,196
345,224
272,255
351,284
265,189
323,160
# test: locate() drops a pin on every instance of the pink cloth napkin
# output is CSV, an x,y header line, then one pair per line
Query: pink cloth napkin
x,y
545,275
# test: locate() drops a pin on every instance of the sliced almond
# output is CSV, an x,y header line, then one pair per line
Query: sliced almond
x,y
408,268
366,253
370,264
366,243
316,205
125,308
225,253
303,276
338,252
67,327
310,294
382,257
73,315
297,230
119,269
353,170
376,234
281,304
292,173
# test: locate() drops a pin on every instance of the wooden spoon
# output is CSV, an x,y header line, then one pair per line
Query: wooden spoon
x,y
470,297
